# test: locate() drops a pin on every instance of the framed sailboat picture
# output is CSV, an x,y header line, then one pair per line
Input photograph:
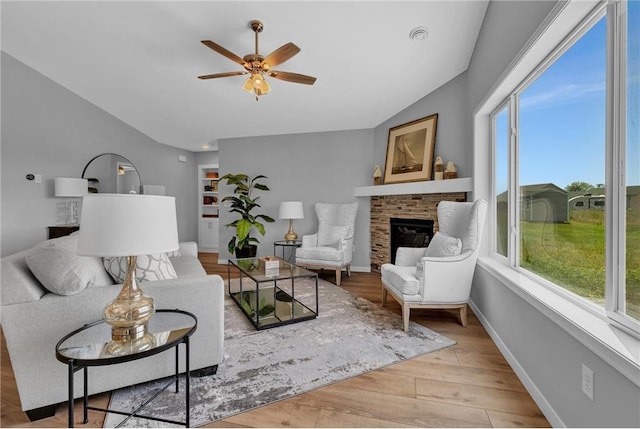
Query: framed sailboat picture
x,y
410,151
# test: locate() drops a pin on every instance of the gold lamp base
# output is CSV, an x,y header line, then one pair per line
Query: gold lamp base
x,y
291,234
129,313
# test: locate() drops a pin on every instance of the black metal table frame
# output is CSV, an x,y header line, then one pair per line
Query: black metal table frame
x,y
256,323
74,365
284,244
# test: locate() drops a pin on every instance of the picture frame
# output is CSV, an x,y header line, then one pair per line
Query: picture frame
x,y
410,150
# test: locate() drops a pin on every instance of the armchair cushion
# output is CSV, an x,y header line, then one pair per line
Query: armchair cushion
x,y
407,256
322,253
443,245
331,235
402,278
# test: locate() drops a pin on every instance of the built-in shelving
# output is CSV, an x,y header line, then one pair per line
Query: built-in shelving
x,y
208,207
464,184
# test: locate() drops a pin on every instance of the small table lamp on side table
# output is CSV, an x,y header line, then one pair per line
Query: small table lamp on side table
x,y
128,225
291,210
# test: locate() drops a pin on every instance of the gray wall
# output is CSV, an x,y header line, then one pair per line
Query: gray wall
x,y
49,130
314,167
550,357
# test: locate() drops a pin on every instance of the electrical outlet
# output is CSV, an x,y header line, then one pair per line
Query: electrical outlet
x,y
587,382
38,178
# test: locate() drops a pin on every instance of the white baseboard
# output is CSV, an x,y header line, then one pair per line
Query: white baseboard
x,y
533,390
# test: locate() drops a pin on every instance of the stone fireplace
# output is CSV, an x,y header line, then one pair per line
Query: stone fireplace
x,y
407,206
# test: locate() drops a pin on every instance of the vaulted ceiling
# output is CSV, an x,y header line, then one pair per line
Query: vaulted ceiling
x,y
139,61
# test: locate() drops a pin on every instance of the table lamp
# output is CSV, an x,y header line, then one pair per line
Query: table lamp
x,y
71,188
291,210
128,225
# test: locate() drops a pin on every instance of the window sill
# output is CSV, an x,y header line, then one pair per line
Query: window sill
x,y
613,345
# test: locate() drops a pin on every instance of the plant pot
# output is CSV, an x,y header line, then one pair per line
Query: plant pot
x,y
247,251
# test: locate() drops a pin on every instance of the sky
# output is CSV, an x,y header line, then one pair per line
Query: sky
x,y
563,114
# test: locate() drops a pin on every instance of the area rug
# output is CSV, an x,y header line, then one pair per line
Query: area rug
x,y
349,337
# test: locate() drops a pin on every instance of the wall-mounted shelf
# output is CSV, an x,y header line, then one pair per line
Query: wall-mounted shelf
x,y
463,184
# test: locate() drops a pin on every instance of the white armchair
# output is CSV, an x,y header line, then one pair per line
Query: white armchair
x,y
440,275
332,246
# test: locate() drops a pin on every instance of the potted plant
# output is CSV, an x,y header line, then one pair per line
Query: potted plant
x,y
242,244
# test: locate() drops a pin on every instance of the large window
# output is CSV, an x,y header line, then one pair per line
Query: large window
x,y
564,214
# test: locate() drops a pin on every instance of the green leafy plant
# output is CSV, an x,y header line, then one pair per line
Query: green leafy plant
x,y
244,203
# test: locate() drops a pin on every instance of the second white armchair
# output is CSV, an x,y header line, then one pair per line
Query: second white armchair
x,y
332,246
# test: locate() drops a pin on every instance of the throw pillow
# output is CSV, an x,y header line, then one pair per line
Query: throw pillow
x,y
61,271
443,245
331,235
148,268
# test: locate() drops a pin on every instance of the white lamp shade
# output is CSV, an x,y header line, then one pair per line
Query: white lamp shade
x,y
291,210
127,225
70,187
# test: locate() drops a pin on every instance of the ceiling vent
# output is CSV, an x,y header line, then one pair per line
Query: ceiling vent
x,y
419,33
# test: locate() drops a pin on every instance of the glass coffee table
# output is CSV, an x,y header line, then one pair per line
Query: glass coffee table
x,y
273,296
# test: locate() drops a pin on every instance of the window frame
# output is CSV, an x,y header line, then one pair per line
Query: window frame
x,y
615,148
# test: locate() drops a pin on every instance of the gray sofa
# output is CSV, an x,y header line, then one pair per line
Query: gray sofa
x,y
34,320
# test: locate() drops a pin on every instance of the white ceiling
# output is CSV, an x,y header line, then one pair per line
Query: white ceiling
x,y
139,61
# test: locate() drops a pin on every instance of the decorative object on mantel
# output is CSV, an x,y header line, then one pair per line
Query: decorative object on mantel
x,y
450,172
410,151
377,175
438,169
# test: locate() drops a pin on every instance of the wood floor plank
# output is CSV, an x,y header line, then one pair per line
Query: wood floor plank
x,y
483,360
394,409
396,396
333,419
486,398
503,420
465,375
384,382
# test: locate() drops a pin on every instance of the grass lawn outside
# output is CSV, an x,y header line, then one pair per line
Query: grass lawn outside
x,y
572,255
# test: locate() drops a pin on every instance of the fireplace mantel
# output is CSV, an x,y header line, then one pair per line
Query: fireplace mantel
x,y
464,184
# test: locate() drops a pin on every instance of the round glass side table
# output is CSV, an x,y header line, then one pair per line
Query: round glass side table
x,y
91,345
284,244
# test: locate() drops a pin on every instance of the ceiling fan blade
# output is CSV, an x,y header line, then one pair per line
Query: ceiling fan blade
x,y
222,51
280,55
227,74
292,77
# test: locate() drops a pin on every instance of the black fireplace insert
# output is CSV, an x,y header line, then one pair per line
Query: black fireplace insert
x,y
409,233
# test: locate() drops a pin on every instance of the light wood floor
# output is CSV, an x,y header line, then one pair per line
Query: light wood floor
x,y
466,385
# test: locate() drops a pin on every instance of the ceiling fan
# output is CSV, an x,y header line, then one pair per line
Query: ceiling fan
x,y
258,66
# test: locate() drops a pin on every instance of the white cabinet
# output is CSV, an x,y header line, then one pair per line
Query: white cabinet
x,y
208,206
208,235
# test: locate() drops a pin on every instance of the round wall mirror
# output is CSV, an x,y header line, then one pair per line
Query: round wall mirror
x,y
110,173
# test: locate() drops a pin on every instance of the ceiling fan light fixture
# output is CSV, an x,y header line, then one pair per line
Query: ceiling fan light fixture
x,y
266,88
248,85
258,80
